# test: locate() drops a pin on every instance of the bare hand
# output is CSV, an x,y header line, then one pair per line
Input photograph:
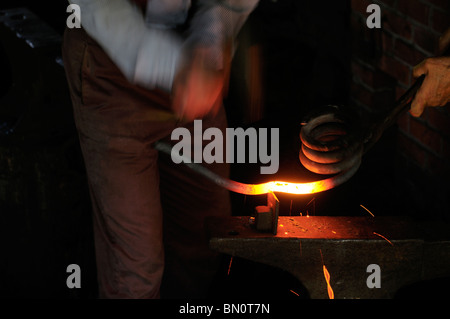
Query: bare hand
x,y
197,88
435,89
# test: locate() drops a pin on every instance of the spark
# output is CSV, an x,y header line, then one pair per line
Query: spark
x,y
294,293
229,266
312,203
367,210
290,209
327,278
384,238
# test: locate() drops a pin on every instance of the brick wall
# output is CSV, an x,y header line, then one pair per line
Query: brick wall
x,y
382,63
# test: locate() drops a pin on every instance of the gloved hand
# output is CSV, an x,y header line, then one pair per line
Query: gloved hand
x,y
435,89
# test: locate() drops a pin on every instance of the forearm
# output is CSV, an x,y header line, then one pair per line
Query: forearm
x,y
216,24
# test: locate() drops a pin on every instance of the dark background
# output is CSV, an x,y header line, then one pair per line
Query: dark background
x,y
304,51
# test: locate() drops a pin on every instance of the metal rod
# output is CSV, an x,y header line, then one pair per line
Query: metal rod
x,y
263,188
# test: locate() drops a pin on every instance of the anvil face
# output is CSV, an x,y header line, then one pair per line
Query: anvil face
x,y
404,250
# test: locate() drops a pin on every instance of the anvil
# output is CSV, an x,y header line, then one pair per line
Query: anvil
x,y
407,251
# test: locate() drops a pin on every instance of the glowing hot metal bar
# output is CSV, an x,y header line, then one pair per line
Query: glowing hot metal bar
x,y
264,188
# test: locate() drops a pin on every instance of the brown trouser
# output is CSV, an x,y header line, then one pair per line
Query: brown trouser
x,y
148,212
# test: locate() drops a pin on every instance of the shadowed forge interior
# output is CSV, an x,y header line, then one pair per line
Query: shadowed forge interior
x,y
292,57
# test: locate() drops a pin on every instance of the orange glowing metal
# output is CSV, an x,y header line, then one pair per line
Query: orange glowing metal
x,y
292,188
264,188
